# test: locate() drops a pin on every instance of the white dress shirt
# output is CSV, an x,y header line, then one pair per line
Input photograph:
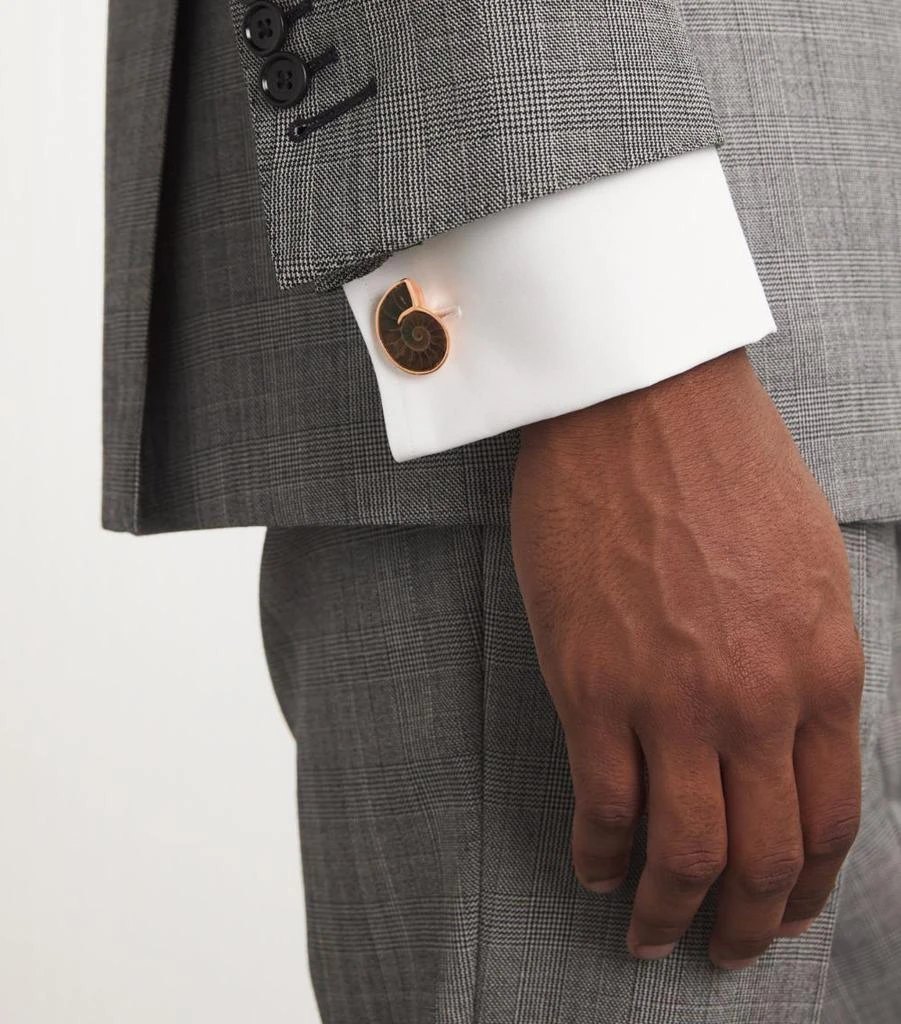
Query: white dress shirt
x,y
568,300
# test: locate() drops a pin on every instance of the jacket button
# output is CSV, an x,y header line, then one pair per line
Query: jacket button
x,y
264,28
284,79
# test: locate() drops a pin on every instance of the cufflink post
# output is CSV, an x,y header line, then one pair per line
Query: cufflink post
x,y
450,313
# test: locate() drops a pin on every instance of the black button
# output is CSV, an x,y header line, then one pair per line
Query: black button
x,y
285,79
264,28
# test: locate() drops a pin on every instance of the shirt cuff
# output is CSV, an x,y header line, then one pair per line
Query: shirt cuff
x,y
569,300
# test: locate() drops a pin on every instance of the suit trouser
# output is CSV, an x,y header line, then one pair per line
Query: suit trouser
x,y
435,805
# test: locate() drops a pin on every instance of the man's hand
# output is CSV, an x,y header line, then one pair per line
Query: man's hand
x,y
689,595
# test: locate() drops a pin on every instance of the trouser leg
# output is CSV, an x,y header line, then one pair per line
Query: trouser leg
x,y
374,642
864,985
435,800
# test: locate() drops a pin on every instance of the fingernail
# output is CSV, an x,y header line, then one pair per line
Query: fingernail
x,y
792,929
736,965
653,952
605,886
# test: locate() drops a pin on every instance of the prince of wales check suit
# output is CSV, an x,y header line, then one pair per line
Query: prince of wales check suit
x,y
261,159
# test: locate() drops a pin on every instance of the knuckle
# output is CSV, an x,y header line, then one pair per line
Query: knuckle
x,y
839,673
606,803
761,704
854,664
690,871
834,836
759,725
771,876
610,815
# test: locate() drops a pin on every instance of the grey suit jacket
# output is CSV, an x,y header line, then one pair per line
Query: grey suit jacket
x,y
237,388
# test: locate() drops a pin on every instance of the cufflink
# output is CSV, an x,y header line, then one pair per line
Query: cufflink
x,y
412,336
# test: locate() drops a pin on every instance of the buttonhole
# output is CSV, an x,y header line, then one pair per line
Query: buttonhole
x,y
302,128
300,10
329,56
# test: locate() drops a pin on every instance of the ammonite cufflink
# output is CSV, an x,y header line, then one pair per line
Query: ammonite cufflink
x,y
414,338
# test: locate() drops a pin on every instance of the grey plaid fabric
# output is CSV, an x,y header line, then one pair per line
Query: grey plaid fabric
x,y
229,402
481,104
435,805
140,46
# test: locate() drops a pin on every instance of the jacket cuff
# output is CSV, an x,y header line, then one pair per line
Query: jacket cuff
x,y
381,125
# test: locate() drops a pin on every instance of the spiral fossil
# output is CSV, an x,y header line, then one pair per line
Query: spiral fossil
x,y
412,336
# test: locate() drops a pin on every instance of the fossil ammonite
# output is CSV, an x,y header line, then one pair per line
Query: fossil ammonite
x,y
413,337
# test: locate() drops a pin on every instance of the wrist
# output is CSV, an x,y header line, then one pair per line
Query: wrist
x,y
705,393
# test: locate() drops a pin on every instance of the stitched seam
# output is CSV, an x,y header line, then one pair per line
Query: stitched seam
x,y
477,959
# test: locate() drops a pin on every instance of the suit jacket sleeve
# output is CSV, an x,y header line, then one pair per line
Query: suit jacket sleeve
x,y
427,114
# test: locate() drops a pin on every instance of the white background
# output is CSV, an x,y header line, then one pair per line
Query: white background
x,y
149,870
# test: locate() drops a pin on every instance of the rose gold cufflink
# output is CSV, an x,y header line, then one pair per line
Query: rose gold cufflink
x,y
413,337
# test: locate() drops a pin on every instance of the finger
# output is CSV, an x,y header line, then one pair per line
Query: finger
x,y
827,769
765,854
686,846
606,771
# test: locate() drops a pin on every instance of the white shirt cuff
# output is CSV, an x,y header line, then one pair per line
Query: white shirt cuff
x,y
569,300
